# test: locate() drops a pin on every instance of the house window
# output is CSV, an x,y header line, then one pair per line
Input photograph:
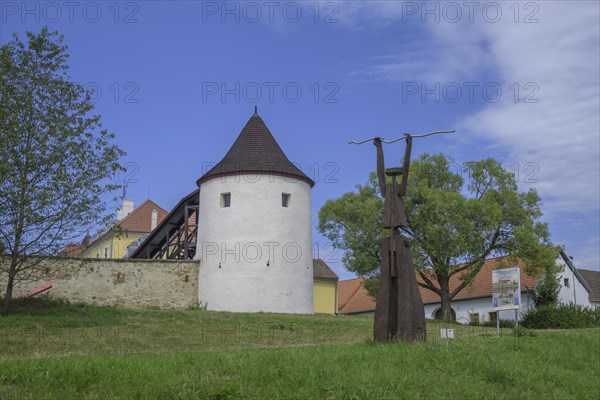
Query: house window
x,y
493,316
225,199
285,199
97,254
566,282
106,252
474,318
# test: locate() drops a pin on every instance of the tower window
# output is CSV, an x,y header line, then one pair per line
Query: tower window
x,y
285,199
225,199
566,282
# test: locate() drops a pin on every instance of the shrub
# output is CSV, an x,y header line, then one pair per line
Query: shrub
x,y
563,316
521,331
504,323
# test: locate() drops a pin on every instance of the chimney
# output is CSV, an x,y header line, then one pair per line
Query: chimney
x,y
154,220
125,209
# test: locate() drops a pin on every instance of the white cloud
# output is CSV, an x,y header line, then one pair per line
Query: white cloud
x,y
561,133
456,55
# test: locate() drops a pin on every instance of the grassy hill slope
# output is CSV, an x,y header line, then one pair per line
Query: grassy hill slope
x,y
59,350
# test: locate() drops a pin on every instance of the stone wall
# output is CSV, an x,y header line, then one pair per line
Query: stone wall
x,y
118,282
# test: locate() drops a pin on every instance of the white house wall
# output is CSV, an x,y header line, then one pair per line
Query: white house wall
x,y
576,293
256,222
481,306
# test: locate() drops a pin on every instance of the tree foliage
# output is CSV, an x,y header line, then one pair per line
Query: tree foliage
x,y
454,226
353,224
55,162
547,291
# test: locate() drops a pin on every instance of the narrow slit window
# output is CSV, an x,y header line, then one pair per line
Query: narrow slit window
x,y
285,199
225,199
566,282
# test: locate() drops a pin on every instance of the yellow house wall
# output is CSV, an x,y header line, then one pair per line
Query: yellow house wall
x,y
96,250
116,246
120,244
325,296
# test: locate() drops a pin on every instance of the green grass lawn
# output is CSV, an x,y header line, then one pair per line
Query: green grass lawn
x,y
58,350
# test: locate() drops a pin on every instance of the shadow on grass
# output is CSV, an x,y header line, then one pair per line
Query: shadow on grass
x,y
44,307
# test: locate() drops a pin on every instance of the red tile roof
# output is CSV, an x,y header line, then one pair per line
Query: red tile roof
x,y
353,297
593,280
140,219
72,250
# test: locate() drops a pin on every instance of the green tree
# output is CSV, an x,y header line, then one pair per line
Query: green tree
x,y
454,226
55,162
547,291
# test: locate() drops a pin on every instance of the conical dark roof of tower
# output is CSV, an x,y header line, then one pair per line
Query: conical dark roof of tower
x,y
255,151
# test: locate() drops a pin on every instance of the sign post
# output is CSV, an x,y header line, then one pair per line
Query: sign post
x,y
506,291
498,323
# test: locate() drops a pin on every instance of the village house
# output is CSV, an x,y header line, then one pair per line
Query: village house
x,y
325,288
130,225
474,303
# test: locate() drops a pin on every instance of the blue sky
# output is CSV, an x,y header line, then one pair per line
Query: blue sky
x,y
178,80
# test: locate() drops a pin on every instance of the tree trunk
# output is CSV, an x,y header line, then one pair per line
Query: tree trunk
x,y
446,309
7,300
9,287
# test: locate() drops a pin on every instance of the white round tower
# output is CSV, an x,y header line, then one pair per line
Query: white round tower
x,y
255,234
